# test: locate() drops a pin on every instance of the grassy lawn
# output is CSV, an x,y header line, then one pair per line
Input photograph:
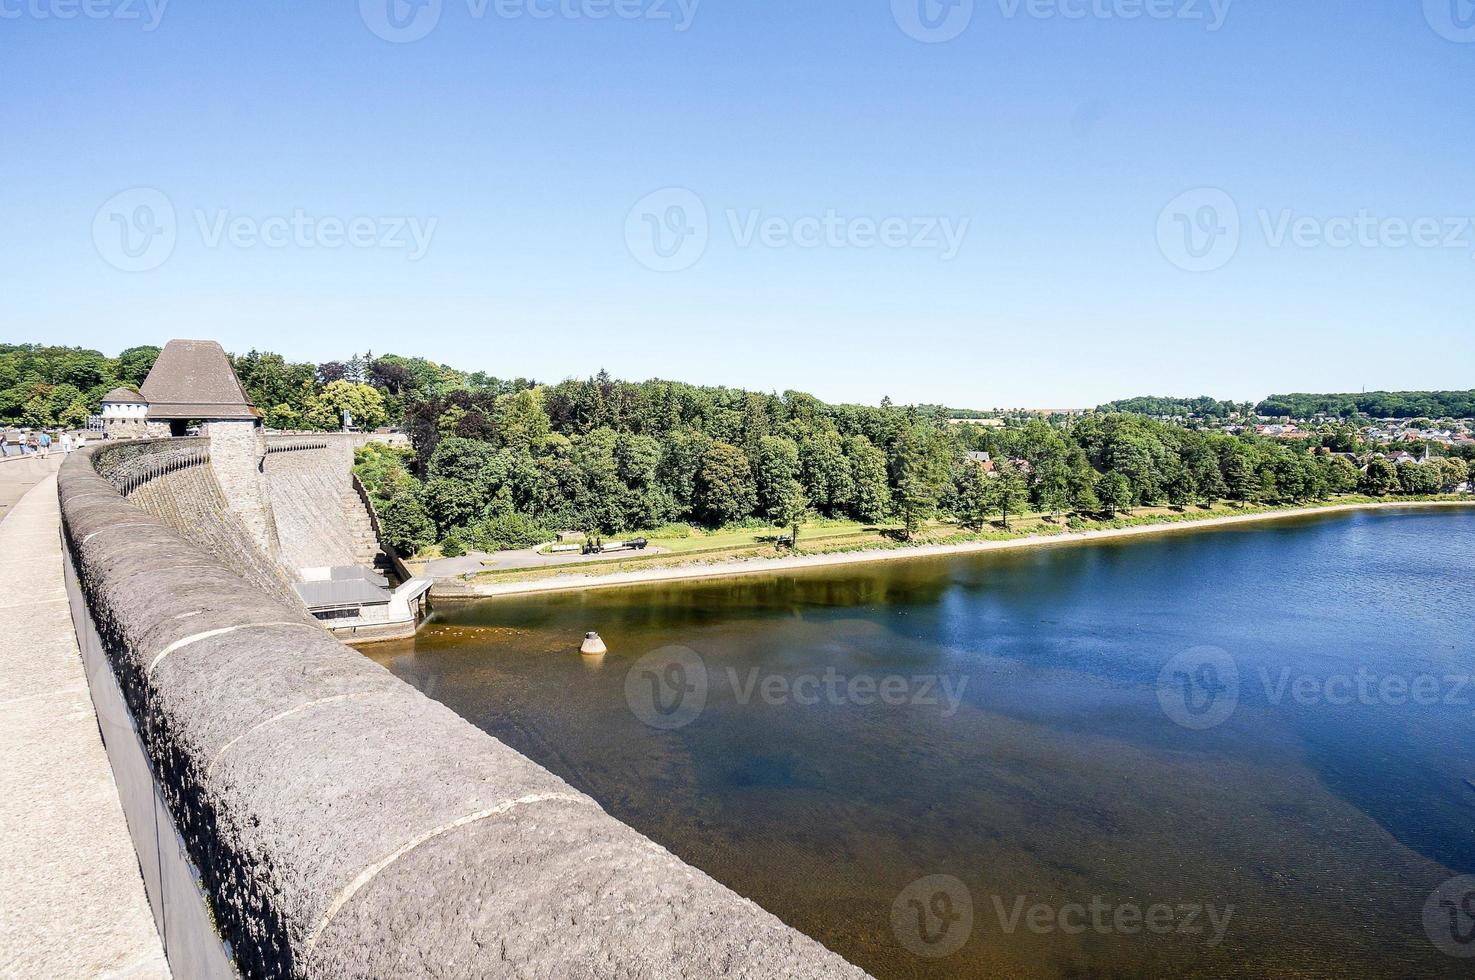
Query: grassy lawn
x,y
690,546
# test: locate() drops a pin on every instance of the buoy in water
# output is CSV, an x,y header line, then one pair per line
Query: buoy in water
x,y
593,646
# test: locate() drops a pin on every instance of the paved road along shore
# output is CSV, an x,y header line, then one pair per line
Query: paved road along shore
x,y
72,902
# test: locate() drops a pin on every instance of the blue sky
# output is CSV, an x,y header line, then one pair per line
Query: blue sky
x,y
1048,136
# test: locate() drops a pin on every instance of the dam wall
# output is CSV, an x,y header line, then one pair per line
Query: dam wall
x,y
321,520
176,484
341,824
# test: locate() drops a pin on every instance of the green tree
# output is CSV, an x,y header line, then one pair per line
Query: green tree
x,y
975,496
451,504
872,496
1380,478
404,524
1011,493
1342,475
790,510
825,471
777,464
916,499
1115,493
725,490
522,422
364,404
1419,479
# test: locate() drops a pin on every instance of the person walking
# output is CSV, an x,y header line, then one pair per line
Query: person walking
x,y
66,444
33,443
45,445
10,444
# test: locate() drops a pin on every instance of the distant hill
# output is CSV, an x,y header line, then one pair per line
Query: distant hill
x,y
1378,404
1152,405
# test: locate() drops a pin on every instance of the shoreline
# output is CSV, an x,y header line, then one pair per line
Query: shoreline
x,y
457,591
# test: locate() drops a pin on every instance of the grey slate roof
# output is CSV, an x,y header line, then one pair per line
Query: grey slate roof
x,y
124,396
193,379
336,594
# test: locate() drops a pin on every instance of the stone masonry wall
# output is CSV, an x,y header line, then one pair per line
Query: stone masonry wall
x,y
346,826
237,455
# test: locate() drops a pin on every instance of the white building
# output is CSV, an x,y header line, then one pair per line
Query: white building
x,y
124,414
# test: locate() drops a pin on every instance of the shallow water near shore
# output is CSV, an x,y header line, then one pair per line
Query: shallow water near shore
x,y
1047,730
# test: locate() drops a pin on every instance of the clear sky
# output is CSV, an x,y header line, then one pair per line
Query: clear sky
x,y
808,161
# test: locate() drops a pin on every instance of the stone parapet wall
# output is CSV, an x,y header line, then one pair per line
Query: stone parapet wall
x,y
346,826
128,465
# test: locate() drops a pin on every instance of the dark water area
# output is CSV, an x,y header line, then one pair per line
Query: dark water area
x,y
1244,752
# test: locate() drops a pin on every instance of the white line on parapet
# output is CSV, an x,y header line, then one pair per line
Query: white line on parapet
x,y
367,875
281,715
196,638
117,527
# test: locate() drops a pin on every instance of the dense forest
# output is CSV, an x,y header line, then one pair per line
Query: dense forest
x,y
1202,407
505,463
1375,404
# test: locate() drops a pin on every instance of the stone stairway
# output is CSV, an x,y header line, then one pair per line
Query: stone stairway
x,y
366,550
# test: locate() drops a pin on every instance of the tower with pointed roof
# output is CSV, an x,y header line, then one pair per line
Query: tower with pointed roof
x,y
192,381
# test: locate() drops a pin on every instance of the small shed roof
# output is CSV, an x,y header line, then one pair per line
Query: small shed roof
x,y
124,396
341,594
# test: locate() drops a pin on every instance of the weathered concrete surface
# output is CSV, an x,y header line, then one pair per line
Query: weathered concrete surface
x,y
345,825
72,901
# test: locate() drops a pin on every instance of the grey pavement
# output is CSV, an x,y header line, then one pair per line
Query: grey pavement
x,y
72,902
19,474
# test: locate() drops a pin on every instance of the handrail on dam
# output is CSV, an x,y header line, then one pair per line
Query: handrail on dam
x,y
274,445
340,823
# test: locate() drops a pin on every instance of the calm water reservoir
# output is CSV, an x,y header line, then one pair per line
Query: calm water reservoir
x,y
1239,752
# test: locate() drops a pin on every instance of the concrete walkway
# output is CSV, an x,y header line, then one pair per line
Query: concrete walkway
x,y
18,474
72,902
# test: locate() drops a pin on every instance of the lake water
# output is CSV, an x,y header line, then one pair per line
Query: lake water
x,y
1239,752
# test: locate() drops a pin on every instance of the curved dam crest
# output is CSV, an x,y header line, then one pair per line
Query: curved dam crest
x,y
341,824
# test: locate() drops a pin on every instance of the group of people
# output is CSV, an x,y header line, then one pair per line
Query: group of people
x,y
35,442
